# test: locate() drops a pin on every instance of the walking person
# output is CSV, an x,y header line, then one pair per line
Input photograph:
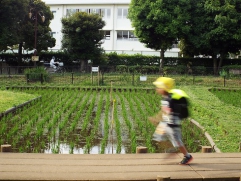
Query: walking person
x,y
174,109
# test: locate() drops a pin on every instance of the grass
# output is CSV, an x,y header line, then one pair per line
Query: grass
x,y
12,99
219,118
119,80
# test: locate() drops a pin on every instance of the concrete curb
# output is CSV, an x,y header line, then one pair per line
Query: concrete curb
x,y
207,135
13,109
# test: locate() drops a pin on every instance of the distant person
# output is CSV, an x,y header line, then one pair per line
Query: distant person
x,y
173,109
53,64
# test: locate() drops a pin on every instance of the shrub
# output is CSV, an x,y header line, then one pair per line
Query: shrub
x,y
199,70
36,74
122,68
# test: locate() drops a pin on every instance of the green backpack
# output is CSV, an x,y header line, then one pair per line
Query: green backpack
x,y
180,98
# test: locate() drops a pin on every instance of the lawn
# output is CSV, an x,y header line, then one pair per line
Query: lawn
x,y
218,110
10,99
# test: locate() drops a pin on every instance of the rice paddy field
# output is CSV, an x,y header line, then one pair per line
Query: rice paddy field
x,y
87,121
87,114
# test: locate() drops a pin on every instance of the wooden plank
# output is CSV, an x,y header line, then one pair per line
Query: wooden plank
x,y
205,166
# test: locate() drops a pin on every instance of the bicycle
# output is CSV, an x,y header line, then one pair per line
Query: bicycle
x,y
60,68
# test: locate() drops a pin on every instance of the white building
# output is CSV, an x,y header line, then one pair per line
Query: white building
x,y
119,35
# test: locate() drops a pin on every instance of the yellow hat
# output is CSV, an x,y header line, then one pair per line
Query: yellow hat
x,y
165,83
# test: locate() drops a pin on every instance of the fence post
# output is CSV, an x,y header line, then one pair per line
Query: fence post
x,y
42,78
27,78
141,149
163,178
206,149
9,70
72,78
224,78
6,148
102,78
133,77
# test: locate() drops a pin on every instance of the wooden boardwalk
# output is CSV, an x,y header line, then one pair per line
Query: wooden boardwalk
x,y
119,167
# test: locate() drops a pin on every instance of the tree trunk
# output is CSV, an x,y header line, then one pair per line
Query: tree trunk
x,y
20,49
220,62
82,65
161,61
215,64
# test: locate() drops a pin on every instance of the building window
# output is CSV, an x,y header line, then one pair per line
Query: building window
x,y
52,34
105,13
53,12
122,13
107,35
126,35
132,36
70,12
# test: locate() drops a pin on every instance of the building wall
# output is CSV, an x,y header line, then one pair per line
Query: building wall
x,y
115,24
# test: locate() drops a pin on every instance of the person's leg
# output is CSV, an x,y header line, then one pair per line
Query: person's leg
x,y
183,150
187,157
176,139
160,133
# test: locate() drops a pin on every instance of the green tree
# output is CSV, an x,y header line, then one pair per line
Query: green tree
x,y
82,37
195,41
226,35
38,19
18,28
12,14
159,23
215,30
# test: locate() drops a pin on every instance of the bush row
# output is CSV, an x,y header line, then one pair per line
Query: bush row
x,y
126,62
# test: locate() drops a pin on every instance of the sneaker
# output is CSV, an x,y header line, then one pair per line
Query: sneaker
x,y
186,160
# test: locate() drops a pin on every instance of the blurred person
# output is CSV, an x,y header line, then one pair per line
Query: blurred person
x,y
174,109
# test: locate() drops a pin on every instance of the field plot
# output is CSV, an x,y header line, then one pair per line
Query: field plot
x,y
79,121
90,121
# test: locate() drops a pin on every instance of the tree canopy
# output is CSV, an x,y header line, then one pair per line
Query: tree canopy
x,y
44,39
210,27
12,14
82,36
18,28
215,29
159,24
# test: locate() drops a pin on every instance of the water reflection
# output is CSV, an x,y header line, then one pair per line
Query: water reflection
x,y
64,148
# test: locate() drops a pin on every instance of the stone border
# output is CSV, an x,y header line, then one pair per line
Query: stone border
x,y
13,109
217,150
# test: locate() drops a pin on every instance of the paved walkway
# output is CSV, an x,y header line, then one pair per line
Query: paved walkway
x,y
116,167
